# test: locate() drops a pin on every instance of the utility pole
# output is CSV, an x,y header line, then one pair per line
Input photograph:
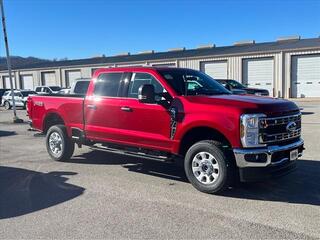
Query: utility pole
x,y
15,117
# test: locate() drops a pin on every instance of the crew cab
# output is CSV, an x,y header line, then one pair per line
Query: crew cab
x,y
174,114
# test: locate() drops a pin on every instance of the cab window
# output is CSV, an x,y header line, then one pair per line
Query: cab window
x,y
139,79
108,84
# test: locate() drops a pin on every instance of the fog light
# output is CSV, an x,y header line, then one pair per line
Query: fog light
x,y
260,158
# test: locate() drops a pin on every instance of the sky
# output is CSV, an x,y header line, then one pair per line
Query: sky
x,y
80,29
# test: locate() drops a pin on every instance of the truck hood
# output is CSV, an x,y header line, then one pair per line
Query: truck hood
x,y
248,103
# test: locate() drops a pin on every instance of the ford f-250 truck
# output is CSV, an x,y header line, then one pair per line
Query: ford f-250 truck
x,y
174,113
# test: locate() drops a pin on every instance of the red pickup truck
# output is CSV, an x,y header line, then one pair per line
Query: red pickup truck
x,y
174,113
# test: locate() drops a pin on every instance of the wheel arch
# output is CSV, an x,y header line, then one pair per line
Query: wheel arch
x,y
199,133
51,119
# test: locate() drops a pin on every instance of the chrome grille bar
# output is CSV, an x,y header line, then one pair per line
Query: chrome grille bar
x,y
268,127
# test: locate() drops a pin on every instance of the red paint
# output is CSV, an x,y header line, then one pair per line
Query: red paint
x,y
148,125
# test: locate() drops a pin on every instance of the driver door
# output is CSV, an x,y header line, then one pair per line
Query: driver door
x,y
147,125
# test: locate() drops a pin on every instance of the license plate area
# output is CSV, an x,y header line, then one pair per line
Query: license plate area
x,y
294,155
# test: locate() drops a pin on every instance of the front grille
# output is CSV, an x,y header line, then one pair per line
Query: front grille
x,y
279,129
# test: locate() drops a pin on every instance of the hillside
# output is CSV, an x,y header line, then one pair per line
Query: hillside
x,y
20,61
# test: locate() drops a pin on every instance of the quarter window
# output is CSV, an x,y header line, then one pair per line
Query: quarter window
x,y
139,79
108,84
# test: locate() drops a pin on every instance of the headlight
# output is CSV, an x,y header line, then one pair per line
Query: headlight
x,y
249,130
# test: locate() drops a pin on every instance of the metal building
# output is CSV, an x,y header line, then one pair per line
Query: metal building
x,y
288,67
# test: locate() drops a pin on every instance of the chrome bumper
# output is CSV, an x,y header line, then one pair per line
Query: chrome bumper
x,y
240,154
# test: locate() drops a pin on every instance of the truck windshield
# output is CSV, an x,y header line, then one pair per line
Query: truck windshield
x,y
190,82
236,84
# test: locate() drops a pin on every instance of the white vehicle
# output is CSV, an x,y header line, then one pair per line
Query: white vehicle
x,y
20,97
64,91
47,89
80,86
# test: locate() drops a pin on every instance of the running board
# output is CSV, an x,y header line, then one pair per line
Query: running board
x,y
133,154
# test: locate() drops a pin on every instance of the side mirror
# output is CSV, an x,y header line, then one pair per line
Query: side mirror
x,y
146,93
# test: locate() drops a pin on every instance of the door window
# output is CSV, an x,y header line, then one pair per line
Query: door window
x,y
139,79
108,84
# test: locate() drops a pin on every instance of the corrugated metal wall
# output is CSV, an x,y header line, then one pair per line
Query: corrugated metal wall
x,y
282,68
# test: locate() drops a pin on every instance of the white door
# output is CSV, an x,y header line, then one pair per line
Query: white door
x,y
27,82
217,69
48,78
71,76
6,82
305,76
258,73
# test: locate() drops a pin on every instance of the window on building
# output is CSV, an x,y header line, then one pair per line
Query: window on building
x,y
139,79
108,84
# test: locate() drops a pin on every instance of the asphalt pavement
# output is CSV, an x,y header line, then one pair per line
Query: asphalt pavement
x,y
102,195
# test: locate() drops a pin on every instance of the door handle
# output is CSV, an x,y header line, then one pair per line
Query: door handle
x,y
126,109
91,106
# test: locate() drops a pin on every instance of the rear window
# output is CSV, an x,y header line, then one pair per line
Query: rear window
x,y
81,87
108,84
27,93
55,88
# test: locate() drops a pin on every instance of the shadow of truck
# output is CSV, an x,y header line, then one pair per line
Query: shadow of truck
x,y
24,191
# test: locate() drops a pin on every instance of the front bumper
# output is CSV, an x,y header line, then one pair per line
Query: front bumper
x,y
261,163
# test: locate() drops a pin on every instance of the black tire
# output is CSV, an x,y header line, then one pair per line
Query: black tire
x,y
66,145
225,169
7,105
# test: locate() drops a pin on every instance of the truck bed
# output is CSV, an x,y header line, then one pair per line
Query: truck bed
x,y
69,107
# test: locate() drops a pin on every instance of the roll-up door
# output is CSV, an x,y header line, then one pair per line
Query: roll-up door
x,y
305,76
27,82
6,82
71,76
216,69
258,73
48,78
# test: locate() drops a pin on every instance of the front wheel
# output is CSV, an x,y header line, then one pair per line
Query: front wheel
x,y
7,105
59,145
208,168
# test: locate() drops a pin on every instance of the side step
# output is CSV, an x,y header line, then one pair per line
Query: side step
x,y
162,158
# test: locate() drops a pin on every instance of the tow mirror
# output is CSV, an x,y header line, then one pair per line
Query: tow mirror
x,y
146,93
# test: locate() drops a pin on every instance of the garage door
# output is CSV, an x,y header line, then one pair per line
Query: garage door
x,y
71,76
48,78
6,82
217,69
305,76
27,82
258,73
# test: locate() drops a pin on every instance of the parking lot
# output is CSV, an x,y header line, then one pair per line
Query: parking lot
x,y
102,195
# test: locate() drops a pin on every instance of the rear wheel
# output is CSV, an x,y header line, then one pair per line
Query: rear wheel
x,y
7,105
208,168
59,146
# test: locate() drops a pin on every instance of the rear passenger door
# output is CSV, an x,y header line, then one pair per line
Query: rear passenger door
x,y
147,125
102,109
